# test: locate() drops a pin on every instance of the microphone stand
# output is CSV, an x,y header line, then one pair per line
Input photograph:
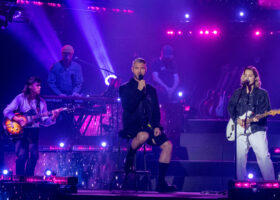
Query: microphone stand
x,y
235,128
100,68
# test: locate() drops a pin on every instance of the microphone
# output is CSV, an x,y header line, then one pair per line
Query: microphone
x,y
140,77
246,82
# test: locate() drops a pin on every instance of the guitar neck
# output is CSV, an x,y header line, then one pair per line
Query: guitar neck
x,y
260,116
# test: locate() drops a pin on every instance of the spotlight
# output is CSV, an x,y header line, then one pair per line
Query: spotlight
x,y
215,32
170,32
61,144
206,32
250,176
257,33
201,32
104,144
48,172
179,32
118,99
241,14
180,94
5,172
187,15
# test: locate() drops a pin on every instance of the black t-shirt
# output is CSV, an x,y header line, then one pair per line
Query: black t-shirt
x,y
165,69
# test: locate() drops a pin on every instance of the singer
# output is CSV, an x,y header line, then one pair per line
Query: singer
x,y
250,97
141,121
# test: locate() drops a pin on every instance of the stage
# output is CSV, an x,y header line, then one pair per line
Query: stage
x,y
129,195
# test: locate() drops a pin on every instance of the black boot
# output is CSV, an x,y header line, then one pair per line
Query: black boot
x,y
162,186
129,161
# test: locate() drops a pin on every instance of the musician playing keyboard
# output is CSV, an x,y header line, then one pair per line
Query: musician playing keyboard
x,y
26,147
65,77
250,98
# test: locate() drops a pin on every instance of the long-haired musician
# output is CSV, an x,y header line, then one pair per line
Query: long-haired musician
x,y
250,98
26,147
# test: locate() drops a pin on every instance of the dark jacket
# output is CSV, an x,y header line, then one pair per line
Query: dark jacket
x,y
140,108
258,103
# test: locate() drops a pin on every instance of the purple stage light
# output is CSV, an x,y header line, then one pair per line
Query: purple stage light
x,y
118,99
170,32
61,144
250,176
201,32
206,32
48,172
5,172
258,33
187,15
179,32
241,14
187,108
103,144
215,32
180,94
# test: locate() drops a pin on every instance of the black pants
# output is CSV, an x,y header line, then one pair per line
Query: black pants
x,y
27,152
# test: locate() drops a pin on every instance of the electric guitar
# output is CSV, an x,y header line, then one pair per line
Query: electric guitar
x,y
15,129
241,130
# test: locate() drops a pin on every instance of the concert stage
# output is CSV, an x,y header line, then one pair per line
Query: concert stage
x,y
133,195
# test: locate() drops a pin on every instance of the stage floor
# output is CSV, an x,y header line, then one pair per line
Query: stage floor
x,y
127,195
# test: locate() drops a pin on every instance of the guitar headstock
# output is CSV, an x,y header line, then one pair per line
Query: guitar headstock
x,y
274,112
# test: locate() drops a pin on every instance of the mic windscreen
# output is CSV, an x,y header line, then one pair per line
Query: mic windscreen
x,y
140,77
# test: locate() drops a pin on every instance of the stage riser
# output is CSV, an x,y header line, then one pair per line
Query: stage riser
x,y
93,169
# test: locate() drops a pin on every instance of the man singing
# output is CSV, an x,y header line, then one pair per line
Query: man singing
x,y
141,121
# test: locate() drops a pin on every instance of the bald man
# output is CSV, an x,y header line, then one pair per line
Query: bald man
x,y
65,77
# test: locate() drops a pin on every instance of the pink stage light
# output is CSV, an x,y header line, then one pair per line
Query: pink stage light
x,y
190,32
187,108
257,33
201,32
170,32
206,32
215,32
179,32
277,150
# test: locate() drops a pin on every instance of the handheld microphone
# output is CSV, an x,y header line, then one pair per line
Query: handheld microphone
x,y
246,82
140,77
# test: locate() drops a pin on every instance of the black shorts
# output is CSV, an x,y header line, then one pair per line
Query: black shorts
x,y
153,141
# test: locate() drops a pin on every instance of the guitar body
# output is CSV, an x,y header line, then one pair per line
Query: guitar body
x,y
230,132
13,128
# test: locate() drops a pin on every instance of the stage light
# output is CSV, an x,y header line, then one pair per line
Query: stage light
x,y
180,94
103,144
277,150
170,32
215,32
179,32
206,32
201,32
5,172
48,172
109,77
118,99
187,15
187,108
61,144
257,33
250,176
241,14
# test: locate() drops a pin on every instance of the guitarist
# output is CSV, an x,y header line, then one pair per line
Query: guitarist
x,y
141,121
26,148
250,97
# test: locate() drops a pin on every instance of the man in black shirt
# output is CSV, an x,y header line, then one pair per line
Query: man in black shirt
x,y
165,75
251,99
141,121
